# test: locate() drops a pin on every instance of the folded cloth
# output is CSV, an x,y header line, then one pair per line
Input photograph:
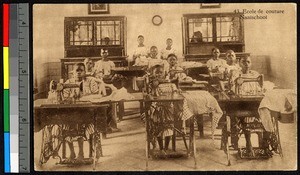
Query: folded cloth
x,y
278,100
116,95
201,102
121,94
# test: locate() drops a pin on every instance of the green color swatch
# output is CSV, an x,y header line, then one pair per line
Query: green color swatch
x,y
6,110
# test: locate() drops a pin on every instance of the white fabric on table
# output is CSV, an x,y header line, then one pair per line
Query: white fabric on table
x,y
278,100
117,95
202,102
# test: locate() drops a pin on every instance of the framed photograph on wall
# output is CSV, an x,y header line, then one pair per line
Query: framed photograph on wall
x,y
210,5
98,8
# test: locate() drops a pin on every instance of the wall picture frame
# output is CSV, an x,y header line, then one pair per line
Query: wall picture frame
x,y
210,5
98,8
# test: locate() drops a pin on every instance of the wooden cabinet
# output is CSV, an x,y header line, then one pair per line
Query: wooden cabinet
x,y
202,32
86,36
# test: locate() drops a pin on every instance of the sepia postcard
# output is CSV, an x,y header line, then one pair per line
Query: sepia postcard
x,y
165,87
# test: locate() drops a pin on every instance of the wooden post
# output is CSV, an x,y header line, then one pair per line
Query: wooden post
x,y
121,110
194,142
228,126
147,134
200,125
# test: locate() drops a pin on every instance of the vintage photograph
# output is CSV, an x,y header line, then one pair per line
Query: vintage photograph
x,y
165,87
98,8
210,5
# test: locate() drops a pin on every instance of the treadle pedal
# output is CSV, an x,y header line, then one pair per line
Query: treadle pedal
x,y
259,153
85,161
169,155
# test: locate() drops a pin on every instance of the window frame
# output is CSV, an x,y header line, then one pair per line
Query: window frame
x,y
214,17
69,20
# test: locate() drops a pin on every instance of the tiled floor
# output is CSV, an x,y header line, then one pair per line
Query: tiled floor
x,y
125,151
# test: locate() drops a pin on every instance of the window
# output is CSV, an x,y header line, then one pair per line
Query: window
x,y
228,29
81,33
202,32
86,36
108,32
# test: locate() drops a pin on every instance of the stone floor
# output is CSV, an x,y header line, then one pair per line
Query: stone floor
x,y
125,151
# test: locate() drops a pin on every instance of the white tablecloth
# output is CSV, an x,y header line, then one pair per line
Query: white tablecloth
x,y
202,102
278,100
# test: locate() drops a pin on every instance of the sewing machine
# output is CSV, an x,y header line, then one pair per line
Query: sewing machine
x,y
56,92
241,80
239,105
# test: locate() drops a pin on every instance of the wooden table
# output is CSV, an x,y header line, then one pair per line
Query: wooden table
x,y
148,100
194,86
125,71
230,104
47,115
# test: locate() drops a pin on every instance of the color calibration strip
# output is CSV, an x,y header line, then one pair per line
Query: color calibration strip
x,y
23,92
16,95
6,117
14,88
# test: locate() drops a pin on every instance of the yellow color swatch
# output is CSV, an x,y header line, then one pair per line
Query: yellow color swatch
x,y
6,67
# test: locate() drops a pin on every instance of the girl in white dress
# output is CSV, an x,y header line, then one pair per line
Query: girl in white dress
x,y
168,50
139,58
141,52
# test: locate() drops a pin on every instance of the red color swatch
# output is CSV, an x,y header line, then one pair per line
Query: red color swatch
x,y
5,25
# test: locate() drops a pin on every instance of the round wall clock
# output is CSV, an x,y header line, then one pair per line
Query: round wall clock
x,y
157,20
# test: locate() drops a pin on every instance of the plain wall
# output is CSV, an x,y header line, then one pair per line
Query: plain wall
x,y
274,37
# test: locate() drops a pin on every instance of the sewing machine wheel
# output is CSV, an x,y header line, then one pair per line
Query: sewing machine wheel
x,y
51,142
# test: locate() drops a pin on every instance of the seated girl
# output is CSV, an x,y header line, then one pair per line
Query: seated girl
x,y
247,88
140,53
231,61
89,67
168,50
156,60
162,113
175,71
105,65
216,64
89,87
230,67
